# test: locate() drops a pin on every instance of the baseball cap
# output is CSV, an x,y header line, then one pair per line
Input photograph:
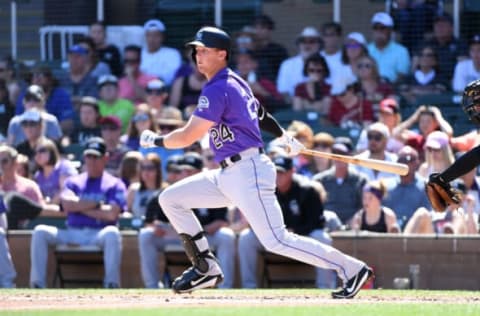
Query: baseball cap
x,y
173,162
95,146
283,163
407,154
342,145
382,18
111,120
32,115
436,140
380,128
36,92
156,84
309,31
154,25
90,101
357,37
192,161
475,39
389,105
78,49
170,116
107,79
443,16
212,37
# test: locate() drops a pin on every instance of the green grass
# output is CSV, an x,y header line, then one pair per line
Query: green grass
x,y
242,302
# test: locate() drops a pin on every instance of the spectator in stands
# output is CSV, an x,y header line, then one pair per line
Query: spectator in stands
x,y
89,114
52,170
34,99
159,60
78,80
450,49
7,110
468,70
270,54
134,82
389,114
456,220
374,216
186,89
142,191
172,170
291,69
304,164
392,58
354,48
332,48
263,88
111,130
348,109
377,135
129,169
213,220
111,104
302,209
322,142
373,87
57,99
245,39
142,119
426,79
429,119
157,96
32,126
22,166
7,73
7,269
24,200
341,181
96,67
107,53
407,193
93,201
313,94
438,154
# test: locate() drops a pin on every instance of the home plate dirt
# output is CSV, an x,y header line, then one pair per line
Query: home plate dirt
x,y
70,299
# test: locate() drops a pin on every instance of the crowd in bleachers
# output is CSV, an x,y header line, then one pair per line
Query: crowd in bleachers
x,y
70,139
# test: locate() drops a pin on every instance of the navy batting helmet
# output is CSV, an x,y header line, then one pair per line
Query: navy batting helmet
x,y
471,101
211,37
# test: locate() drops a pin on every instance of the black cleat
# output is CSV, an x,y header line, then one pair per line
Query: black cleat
x,y
192,279
354,284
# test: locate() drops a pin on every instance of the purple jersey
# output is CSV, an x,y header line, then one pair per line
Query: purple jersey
x,y
228,101
107,188
50,185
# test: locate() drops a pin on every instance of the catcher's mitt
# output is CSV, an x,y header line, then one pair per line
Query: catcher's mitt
x,y
440,193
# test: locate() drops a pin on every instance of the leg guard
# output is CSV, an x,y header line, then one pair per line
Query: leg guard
x,y
197,257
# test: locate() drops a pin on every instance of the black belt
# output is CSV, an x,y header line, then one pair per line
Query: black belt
x,y
235,158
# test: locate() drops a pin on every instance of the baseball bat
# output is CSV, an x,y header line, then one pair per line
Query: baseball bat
x,y
380,165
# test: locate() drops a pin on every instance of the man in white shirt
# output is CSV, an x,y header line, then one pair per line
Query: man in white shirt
x,y
468,70
291,69
158,60
332,52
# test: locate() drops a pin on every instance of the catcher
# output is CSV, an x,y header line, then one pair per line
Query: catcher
x,y
438,188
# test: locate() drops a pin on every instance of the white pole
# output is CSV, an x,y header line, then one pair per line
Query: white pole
x,y
456,18
100,10
13,13
218,13
337,11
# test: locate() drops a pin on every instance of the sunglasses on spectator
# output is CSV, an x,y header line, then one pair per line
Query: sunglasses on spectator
x,y
309,41
316,70
142,117
155,91
364,65
5,161
431,150
41,150
31,99
167,127
131,61
406,159
148,168
380,27
427,55
353,45
374,136
30,123
91,156
110,128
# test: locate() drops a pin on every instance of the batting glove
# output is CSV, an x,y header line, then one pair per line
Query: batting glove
x,y
291,145
147,139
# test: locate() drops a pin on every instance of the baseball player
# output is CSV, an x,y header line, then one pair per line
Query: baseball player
x,y
229,112
439,190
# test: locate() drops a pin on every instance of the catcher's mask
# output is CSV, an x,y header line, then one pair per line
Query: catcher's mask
x,y
211,37
471,101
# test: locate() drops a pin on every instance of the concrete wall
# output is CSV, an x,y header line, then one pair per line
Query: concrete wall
x,y
446,262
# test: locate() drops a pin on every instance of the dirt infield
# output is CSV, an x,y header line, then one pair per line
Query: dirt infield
x,y
75,299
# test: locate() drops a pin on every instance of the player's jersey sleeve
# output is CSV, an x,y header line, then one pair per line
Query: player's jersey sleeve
x,y
211,103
